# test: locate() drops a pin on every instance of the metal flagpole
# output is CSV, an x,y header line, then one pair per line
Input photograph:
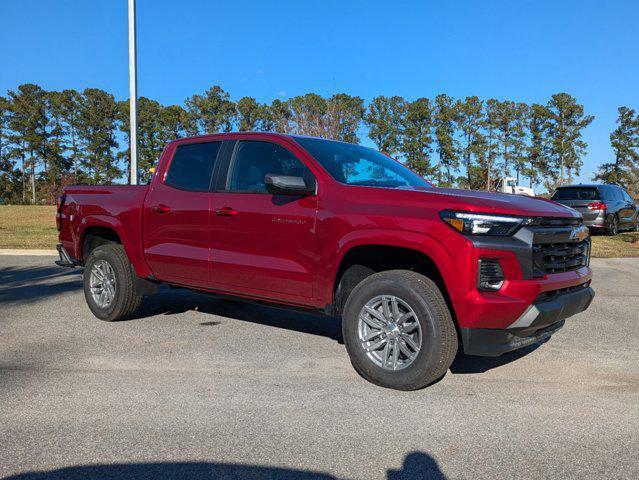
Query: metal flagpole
x,y
133,95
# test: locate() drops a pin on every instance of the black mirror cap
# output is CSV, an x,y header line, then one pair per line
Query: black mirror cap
x,y
289,185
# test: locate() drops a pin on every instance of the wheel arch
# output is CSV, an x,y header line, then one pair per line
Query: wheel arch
x,y
99,230
363,259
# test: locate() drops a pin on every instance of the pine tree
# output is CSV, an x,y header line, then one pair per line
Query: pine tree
x,y
491,140
211,112
307,114
343,116
445,118
518,139
537,149
624,170
56,163
97,116
69,108
249,114
470,121
384,118
174,123
417,136
9,175
277,117
566,121
28,124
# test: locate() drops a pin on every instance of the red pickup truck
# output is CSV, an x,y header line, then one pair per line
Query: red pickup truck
x,y
414,271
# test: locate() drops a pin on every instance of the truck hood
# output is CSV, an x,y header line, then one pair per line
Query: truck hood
x,y
503,203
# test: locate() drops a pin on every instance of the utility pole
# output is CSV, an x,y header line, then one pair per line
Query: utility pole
x,y
133,95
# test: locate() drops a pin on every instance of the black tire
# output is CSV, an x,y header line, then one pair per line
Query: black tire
x,y
125,302
613,228
439,337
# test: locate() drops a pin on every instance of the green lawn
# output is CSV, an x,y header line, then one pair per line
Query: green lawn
x,y
625,244
26,226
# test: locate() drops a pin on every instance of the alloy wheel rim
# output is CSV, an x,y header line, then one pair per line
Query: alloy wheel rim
x,y
389,332
102,283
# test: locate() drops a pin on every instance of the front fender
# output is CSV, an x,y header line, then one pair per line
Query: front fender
x,y
449,257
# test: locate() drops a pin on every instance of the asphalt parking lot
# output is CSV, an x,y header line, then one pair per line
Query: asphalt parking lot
x,y
205,388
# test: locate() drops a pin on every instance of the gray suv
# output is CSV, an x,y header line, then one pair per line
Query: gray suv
x,y
606,207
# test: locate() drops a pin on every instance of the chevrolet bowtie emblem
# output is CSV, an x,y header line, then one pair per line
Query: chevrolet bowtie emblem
x,y
579,233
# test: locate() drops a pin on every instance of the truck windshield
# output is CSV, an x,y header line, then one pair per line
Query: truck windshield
x,y
357,165
576,193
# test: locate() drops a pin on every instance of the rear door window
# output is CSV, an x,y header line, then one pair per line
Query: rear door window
x,y
577,193
192,166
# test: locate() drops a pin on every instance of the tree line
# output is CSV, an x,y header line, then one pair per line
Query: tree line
x,y
49,139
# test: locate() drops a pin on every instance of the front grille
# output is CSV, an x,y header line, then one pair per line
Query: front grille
x,y
560,257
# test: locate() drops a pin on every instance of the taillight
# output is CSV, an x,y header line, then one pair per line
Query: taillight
x,y
58,217
597,206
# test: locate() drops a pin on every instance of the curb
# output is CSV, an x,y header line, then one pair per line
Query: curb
x,y
14,251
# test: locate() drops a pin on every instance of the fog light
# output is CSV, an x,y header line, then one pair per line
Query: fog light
x,y
491,276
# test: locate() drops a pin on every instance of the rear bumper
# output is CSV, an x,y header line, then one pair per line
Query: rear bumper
x,y
540,320
597,222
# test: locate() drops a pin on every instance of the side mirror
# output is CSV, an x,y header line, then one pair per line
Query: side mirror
x,y
287,185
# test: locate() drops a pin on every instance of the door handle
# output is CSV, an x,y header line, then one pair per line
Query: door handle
x,y
226,212
161,208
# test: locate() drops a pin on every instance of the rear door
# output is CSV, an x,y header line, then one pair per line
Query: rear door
x,y
629,208
262,244
176,230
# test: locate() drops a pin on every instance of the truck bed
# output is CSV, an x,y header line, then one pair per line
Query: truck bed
x,y
116,207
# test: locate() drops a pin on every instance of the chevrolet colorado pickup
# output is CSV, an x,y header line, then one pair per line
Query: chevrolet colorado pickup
x,y
415,271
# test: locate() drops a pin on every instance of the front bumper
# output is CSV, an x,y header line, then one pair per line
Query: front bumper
x,y
540,320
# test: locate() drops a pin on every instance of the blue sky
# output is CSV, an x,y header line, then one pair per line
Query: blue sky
x,y
518,50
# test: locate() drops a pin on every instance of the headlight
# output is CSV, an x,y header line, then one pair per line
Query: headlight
x,y
482,224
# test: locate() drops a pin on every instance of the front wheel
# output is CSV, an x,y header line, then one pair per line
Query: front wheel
x,y
108,284
398,330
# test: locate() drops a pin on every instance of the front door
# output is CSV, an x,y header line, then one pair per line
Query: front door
x,y
177,211
262,244
629,209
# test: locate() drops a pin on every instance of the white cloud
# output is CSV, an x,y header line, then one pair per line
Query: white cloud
x,y
282,93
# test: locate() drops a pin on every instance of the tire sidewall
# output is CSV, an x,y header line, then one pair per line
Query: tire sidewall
x,y
430,354
106,253
614,226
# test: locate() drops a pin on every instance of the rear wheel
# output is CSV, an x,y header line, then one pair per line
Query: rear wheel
x,y
613,228
398,330
108,284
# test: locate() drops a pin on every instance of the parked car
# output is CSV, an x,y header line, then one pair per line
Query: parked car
x,y
415,272
603,207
